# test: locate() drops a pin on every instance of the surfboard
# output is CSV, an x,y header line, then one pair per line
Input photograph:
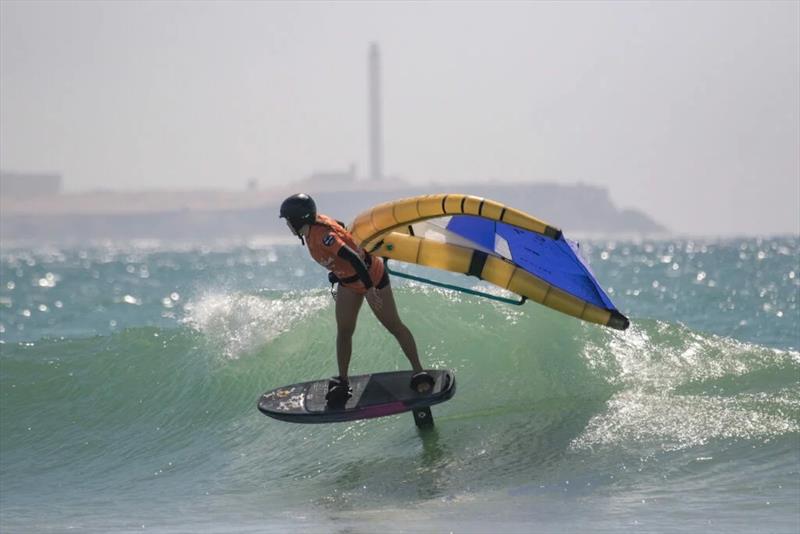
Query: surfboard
x,y
374,395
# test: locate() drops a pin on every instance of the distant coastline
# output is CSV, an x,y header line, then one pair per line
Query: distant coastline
x,y
225,214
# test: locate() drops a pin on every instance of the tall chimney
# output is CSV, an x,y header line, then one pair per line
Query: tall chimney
x,y
375,133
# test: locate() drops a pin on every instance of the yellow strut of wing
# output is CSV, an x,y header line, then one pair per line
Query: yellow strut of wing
x,y
498,271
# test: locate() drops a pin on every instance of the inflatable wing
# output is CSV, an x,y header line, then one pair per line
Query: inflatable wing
x,y
501,245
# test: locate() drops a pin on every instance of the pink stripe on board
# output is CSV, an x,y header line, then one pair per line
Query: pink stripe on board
x,y
383,409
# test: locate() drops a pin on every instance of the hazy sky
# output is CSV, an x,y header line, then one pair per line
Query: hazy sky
x,y
687,111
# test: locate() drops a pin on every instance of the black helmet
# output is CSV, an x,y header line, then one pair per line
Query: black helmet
x,y
299,210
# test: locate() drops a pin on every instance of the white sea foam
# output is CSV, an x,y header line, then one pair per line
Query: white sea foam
x,y
654,365
242,322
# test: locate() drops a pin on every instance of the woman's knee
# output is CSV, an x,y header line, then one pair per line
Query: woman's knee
x,y
345,329
395,327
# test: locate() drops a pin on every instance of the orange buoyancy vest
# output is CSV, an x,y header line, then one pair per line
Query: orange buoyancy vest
x,y
325,238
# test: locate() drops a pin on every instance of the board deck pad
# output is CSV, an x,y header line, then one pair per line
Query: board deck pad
x,y
374,395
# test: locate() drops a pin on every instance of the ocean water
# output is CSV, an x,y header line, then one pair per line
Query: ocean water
x,y
129,376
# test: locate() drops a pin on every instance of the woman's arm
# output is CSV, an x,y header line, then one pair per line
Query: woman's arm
x,y
358,264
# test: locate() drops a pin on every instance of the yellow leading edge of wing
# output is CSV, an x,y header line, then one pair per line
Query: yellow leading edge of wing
x,y
368,226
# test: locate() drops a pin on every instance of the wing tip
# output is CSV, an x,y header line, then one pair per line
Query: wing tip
x,y
618,321
553,233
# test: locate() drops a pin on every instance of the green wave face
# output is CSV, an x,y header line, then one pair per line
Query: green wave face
x,y
155,411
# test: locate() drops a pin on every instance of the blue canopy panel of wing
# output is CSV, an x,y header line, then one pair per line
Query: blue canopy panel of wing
x,y
555,261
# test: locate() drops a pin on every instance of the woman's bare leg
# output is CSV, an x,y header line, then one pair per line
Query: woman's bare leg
x,y
389,318
348,303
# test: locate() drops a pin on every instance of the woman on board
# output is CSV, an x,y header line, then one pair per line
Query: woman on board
x,y
358,275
